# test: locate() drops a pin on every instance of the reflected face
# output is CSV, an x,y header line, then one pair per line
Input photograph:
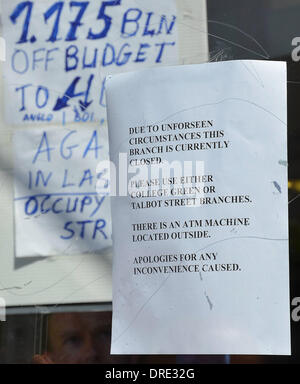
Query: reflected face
x,y
81,338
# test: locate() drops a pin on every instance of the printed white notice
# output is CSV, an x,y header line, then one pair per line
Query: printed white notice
x,y
58,53
57,207
201,253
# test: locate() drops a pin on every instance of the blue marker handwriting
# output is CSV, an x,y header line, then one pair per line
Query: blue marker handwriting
x,y
70,44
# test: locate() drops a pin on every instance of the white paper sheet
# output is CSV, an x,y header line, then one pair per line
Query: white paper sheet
x,y
203,270
82,278
57,208
59,52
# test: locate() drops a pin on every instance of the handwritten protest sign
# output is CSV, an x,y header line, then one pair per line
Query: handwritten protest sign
x,y
59,51
57,208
